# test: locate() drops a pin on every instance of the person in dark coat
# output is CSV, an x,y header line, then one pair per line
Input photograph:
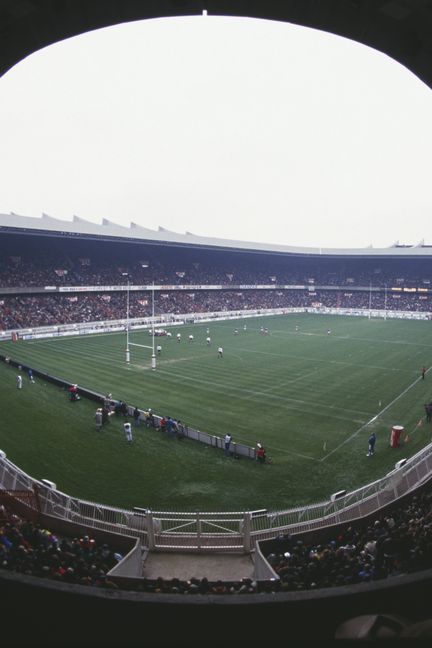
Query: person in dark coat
x,y
372,440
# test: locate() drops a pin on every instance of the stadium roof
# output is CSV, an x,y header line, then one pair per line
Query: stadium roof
x,y
401,29
49,226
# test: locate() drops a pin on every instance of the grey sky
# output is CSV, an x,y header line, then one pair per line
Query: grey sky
x,y
235,128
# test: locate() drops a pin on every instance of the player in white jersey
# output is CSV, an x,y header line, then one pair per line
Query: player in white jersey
x,y
128,432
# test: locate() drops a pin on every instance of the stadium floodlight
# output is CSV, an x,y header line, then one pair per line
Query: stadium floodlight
x,y
153,359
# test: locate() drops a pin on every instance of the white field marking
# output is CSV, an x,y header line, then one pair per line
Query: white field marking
x,y
310,373
346,337
282,333
139,366
398,342
269,353
239,440
296,454
336,362
372,419
167,361
274,396
281,450
233,355
281,384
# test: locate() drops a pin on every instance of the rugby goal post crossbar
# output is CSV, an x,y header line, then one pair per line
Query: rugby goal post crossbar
x,y
144,346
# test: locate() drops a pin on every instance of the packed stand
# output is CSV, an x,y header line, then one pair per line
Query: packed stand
x,y
31,549
394,544
101,266
52,310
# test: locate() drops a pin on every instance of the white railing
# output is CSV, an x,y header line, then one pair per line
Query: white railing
x,y
216,532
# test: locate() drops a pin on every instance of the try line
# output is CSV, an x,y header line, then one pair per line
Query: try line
x,y
374,418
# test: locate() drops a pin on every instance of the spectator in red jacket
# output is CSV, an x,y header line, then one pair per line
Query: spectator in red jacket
x,y
260,453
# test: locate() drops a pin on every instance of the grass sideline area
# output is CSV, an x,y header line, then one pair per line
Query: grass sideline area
x,y
312,397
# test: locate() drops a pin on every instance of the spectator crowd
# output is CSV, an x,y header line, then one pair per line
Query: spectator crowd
x,y
168,266
30,274
392,545
25,311
397,542
31,549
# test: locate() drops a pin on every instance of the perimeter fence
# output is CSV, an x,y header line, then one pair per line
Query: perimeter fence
x,y
215,531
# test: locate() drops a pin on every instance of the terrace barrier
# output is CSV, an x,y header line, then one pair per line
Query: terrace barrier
x,y
211,531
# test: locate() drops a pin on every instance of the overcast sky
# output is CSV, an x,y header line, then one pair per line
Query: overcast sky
x,y
235,128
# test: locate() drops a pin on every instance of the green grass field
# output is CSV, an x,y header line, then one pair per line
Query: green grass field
x,y
310,397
